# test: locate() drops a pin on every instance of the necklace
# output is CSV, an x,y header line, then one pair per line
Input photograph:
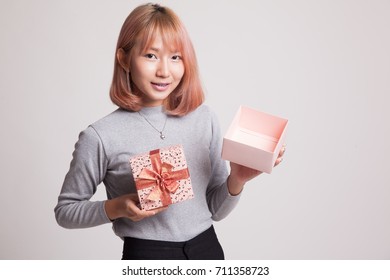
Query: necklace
x,y
162,136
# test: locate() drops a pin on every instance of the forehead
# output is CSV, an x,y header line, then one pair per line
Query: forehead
x,y
167,40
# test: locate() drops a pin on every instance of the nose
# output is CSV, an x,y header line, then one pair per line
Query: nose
x,y
163,69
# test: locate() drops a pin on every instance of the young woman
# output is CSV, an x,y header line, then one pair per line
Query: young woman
x,y
159,94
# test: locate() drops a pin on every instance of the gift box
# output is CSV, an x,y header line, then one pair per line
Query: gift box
x,y
254,139
161,177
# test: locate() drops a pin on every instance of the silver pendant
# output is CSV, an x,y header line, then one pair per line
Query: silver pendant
x,y
162,136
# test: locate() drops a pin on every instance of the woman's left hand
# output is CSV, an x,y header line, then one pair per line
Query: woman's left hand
x,y
240,174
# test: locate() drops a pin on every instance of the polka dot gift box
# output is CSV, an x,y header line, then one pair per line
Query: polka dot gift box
x,y
161,177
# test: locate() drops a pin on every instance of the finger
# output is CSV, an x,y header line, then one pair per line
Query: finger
x,y
161,209
134,197
139,214
282,151
149,213
136,214
278,161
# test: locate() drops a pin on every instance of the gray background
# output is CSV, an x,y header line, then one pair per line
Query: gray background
x,y
324,65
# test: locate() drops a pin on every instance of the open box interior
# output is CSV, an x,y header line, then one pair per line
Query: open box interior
x,y
257,129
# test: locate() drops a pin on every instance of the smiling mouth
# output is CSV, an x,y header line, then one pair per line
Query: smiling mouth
x,y
160,84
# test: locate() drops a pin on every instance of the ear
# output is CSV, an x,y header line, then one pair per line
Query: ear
x,y
123,59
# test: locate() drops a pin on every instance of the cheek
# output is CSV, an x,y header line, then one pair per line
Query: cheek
x,y
179,72
140,72
134,72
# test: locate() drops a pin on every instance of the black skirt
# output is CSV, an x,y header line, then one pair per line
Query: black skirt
x,y
205,246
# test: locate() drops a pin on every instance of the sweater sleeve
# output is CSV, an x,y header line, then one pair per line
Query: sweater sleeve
x,y
87,170
219,200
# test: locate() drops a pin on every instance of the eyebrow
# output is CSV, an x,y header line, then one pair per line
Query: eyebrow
x,y
154,49
158,50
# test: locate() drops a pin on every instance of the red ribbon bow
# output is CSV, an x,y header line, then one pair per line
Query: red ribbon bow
x,y
161,177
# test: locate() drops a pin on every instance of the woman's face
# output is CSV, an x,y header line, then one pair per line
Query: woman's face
x,y
155,72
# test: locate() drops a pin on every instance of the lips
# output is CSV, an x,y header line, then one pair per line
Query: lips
x,y
160,86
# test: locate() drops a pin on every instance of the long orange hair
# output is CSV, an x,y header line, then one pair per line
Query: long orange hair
x,y
141,26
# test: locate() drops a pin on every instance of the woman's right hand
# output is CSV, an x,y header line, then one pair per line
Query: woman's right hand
x,y
125,206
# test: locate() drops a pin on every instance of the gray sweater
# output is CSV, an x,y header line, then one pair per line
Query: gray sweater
x,y
102,155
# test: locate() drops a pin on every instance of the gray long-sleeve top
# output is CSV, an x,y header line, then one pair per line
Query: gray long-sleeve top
x,y
102,155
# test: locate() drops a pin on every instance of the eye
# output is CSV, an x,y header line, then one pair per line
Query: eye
x,y
150,56
176,57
